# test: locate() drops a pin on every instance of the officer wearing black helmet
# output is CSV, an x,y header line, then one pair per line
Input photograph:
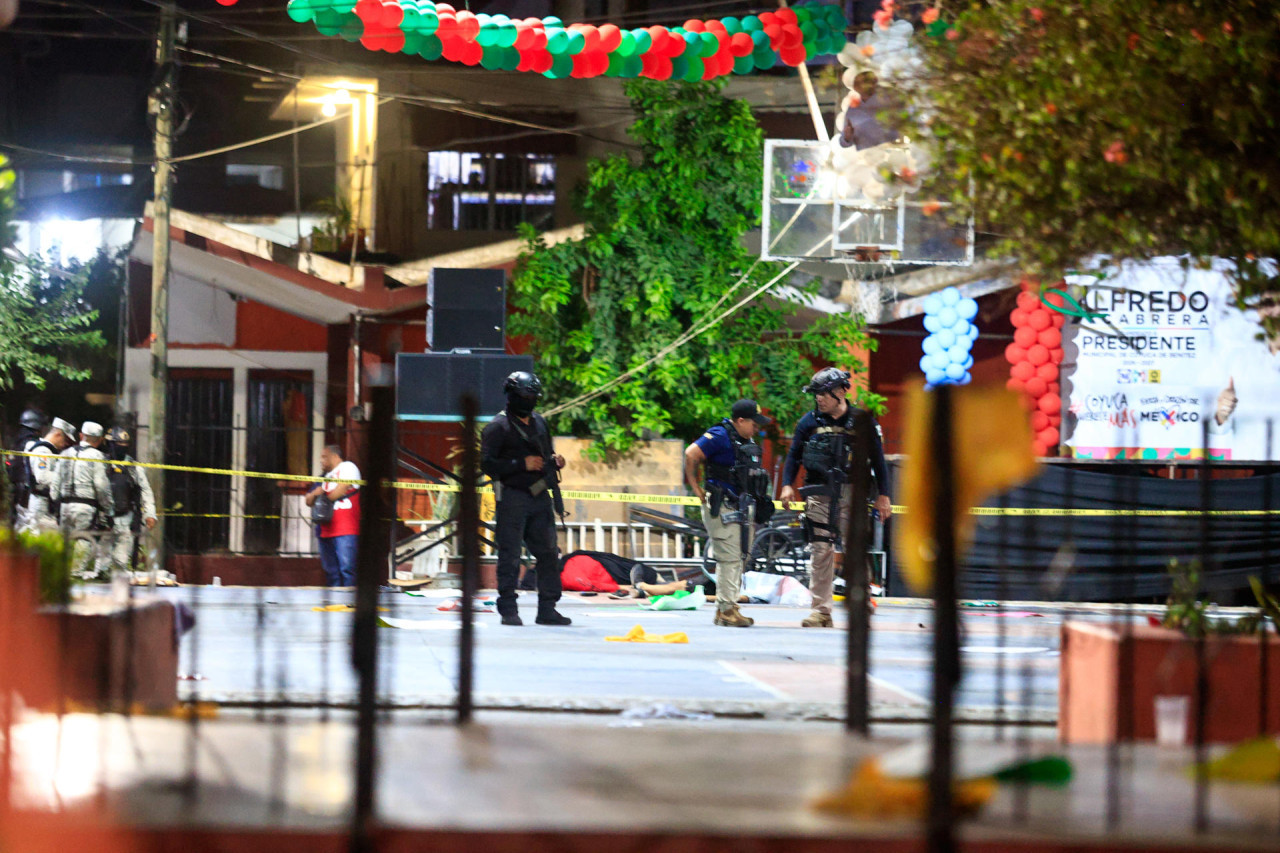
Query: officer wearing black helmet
x,y
823,443
516,453
134,500
39,512
31,426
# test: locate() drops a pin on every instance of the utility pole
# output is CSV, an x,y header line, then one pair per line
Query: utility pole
x,y
160,107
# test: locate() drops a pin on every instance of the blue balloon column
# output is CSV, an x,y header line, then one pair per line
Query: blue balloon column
x,y
948,318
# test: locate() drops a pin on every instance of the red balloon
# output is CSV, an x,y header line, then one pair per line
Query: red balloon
x,y
662,68
610,37
1054,298
657,40
1025,337
590,38
447,28
1048,437
740,44
1028,301
468,27
1014,353
1023,370
1040,449
786,16
1047,371
710,68
441,8
470,53
451,49
542,61
793,56
717,28
774,32
368,11
1036,387
1039,319
391,15
1059,320
1037,355
226,2
1015,385
1018,317
393,41
1053,388
1054,420
526,37
792,37
1050,337
769,18
526,61
1055,355
693,25
1039,420
1050,404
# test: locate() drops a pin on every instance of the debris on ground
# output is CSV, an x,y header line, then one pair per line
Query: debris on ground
x,y
638,635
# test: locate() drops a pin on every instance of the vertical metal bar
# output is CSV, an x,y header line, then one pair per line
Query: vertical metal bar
x,y
468,522
370,566
856,581
1202,678
1264,665
1002,595
940,831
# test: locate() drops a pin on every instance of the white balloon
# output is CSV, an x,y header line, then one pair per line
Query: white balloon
x,y
948,317
932,326
968,308
930,345
945,337
933,304
951,296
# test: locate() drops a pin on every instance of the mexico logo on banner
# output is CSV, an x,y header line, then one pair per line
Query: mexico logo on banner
x,y
1154,352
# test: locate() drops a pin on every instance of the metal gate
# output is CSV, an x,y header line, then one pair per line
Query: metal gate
x,y
199,434
278,439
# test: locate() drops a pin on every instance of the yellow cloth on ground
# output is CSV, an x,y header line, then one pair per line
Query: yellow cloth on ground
x,y
991,441
637,635
341,608
871,794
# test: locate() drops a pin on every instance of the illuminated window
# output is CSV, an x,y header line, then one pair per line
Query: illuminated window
x,y
490,192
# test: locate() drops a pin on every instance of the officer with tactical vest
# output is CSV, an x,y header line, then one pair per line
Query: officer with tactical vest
x,y
41,473
735,495
31,426
516,452
133,498
824,444
81,483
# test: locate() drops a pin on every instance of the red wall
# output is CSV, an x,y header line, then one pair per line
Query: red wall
x,y
262,327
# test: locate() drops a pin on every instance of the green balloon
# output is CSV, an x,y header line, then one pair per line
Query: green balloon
x,y
342,6
491,58
353,29
488,36
616,61
694,72
412,43
428,22
803,14
743,64
679,65
644,41
508,34
330,19
561,66
710,44
552,21
764,59
732,25
809,31
577,41
632,66
751,24
300,11
627,45
510,59
432,48
759,40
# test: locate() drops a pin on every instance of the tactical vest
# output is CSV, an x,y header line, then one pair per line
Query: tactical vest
x,y
40,446
726,473
829,447
124,489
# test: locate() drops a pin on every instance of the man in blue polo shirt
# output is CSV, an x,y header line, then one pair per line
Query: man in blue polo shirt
x,y
716,450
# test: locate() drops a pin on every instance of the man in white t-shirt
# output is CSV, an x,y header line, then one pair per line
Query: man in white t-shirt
x,y
339,536
1251,396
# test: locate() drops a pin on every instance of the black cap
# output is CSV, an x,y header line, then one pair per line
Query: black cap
x,y
748,409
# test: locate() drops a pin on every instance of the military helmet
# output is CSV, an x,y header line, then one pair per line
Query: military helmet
x,y
34,419
119,435
523,384
827,380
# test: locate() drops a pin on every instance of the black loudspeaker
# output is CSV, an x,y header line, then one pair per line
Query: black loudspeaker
x,y
430,385
467,309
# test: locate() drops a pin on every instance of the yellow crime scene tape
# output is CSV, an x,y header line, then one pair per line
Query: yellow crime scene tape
x,y
630,497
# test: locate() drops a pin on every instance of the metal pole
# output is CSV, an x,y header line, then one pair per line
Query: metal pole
x,y
857,582
946,634
469,524
375,513
160,108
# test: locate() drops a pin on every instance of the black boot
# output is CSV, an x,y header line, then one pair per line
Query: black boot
x,y
510,616
547,615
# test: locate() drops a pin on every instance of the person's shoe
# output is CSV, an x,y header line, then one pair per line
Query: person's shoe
x,y
549,616
733,618
511,618
817,620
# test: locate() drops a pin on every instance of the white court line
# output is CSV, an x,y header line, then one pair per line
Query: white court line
x,y
901,691
751,679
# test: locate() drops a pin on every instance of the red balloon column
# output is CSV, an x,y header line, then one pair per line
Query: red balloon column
x,y
1034,357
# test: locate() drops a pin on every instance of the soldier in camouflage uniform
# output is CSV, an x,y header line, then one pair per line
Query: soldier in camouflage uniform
x,y
133,499
84,492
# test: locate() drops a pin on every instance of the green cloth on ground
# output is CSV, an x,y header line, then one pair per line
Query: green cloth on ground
x,y
682,600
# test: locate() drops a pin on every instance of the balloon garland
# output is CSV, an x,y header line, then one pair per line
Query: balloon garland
x,y
698,50
947,357
1034,357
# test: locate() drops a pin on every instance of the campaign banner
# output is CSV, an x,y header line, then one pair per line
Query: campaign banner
x,y
1160,364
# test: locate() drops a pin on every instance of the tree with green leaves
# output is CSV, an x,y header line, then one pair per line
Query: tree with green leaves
x,y
663,251
45,326
1110,127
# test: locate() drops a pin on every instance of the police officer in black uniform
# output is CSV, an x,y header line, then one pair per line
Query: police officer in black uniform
x,y
32,425
516,452
135,503
823,443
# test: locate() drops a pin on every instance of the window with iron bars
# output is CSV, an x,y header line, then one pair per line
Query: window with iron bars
x,y
490,192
